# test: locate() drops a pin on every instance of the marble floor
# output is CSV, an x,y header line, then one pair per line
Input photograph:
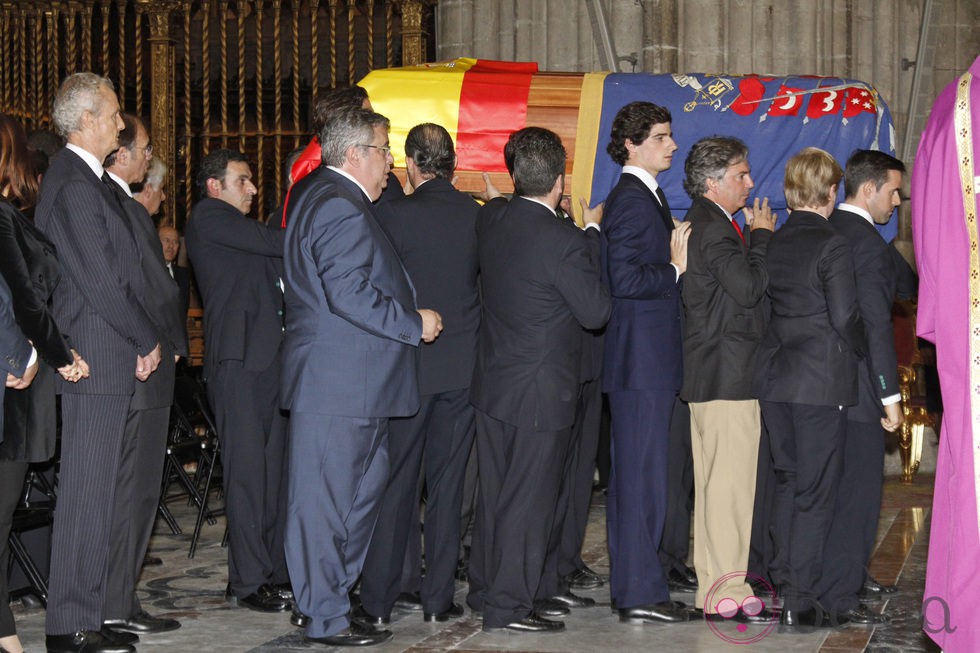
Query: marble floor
x,y
192,590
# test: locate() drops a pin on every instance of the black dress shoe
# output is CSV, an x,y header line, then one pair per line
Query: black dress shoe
x,y
666,611
152,561
764,616
357,634
410,601
533,623
454,611
85,641
860,615
872,591
551,608
119,637
680,582
299,619
264,599
285,590
800,621
584,579
142,623
570,600
362,615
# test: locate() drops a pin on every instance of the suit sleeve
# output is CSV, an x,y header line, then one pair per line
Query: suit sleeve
x,y
875,303
836,270
630,276
744,279
237,232
579,282
344,248
90,260
15,350
31,311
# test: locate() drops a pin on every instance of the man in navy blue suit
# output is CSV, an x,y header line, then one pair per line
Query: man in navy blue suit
x,y
352,329
643,258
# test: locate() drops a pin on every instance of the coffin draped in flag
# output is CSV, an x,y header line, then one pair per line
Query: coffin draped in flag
x,y
481,102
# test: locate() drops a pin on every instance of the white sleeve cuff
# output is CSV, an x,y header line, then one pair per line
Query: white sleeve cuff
x,y
893,399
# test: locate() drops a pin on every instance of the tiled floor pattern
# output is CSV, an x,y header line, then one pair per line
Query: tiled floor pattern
x,y
193,591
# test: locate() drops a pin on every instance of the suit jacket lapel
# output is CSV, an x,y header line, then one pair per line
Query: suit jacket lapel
x,y
662,207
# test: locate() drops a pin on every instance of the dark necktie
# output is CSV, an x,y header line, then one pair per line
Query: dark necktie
x,y
738,230
664,209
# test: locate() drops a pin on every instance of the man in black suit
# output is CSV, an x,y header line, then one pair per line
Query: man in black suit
x,y
541,285
643,258
145,440
170,242
17,357
434,232
237,262
726,315
97,303
872,189
806,372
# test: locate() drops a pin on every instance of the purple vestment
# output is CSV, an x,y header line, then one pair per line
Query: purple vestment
x,y
952,595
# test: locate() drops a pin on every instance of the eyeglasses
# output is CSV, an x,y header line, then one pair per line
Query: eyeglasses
x,y
385,150
147,151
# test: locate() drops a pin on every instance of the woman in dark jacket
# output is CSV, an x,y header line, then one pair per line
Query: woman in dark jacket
x,y
29,266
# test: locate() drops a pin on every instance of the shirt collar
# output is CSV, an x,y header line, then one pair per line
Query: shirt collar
x,y
349,176
88,158
648,180
122,184
551,209
844,206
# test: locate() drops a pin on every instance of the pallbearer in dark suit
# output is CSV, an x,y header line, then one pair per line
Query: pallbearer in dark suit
x,y
806,373
97,305
541,285
349,364
726,314
238,265
872,187
643,258
145,440
434,232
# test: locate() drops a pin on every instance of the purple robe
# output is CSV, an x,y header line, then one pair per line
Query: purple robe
x,y
951,605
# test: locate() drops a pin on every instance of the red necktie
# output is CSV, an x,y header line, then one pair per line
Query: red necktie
x,y
738,230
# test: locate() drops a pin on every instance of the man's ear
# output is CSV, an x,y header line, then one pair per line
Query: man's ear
x,y
213,186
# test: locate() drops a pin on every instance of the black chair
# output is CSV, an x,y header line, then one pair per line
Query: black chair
x,y
31,513
210,462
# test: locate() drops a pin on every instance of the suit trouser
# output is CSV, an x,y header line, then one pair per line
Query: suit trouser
x,y
91,442
760,550
676,541
725,450
577,483
137,494
855,520
338,468
252,431
11,485
439,436
807,443
637,500
520,475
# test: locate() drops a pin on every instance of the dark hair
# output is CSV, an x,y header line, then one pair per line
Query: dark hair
x,y
44,140
346,128
127,137
709,158
342,97
868,165
431,148
634,122
16,166
214,166
535,158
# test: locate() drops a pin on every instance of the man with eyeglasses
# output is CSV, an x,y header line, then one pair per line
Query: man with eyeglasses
x,y
145,440
349,364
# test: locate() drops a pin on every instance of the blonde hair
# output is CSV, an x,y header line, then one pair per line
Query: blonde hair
x,y
810,176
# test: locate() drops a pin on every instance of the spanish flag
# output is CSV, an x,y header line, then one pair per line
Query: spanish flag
x,y
479,102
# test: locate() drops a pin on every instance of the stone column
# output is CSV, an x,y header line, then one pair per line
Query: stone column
x,y
163,87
